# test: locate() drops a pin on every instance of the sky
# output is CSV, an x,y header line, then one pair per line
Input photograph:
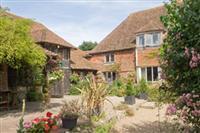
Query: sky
x,y
79,20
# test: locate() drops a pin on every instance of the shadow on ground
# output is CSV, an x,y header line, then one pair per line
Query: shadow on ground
x,y
151,127
31,107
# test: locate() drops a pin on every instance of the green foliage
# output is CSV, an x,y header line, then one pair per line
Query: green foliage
x,y
130,89
87,45
93,95
16,45
158,95
105,128
56,75
76,82
34,96
117,88
142,86
182,23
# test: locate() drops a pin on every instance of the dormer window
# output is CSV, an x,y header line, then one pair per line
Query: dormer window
x,y
109,58
148,39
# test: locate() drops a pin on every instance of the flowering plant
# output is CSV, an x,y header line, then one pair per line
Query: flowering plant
x,y
42,125
187,108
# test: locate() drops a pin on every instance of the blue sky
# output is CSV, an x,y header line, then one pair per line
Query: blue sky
x,y
79,20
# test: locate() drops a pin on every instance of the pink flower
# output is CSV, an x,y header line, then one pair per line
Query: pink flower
x,y
36,121
27,125
171,110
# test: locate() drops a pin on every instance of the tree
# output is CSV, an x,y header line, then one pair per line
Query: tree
x,y
180,53
87,45
17,47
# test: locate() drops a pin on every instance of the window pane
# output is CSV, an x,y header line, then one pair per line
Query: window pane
x,y
149,74
141,40
109,75
149,39
112,57
156,38
155,73
114,75
107,58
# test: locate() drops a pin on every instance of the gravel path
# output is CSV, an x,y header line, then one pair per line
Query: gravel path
x,y
142,117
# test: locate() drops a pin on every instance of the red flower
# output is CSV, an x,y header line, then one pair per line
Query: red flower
x,y
36,121
54,127
49,114
56,117
46,127
50,122
45,119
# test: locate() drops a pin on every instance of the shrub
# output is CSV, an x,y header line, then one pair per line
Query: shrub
x,y
130,89
105,128
70,109
117,88
142,87
187,108
180,53
93,94
76,83
180,57
34,96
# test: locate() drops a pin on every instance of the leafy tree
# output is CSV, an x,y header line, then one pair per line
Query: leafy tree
x,y
87,45
180,54
16,45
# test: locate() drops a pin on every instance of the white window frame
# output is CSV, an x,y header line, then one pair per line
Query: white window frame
x,y
112,77
145,69
150,35
109,58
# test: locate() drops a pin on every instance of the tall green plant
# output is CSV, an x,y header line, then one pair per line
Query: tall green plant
x,y
180,53
16,45
94,95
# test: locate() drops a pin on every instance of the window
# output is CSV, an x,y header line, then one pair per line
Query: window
x,y
149,39
150,74
110,76
110,58
141,40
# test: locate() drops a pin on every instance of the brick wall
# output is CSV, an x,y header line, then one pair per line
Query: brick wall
x,y
148,56
125,58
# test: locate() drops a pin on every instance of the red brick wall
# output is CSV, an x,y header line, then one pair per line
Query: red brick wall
x,y
126,59
148,56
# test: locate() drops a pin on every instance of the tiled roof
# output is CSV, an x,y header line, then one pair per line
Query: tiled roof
x,y
78,61
41,33
124,35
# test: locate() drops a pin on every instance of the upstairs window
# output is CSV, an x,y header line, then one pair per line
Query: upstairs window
x,y
109,58
141,40
148,39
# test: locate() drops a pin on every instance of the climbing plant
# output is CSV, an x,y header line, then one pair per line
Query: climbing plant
x,y
16,45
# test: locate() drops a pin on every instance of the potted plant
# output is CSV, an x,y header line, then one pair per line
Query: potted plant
x,y
142,89
69,114
130,94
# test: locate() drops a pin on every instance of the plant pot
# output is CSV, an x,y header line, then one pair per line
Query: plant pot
x,y
129,100
69,122
143,96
